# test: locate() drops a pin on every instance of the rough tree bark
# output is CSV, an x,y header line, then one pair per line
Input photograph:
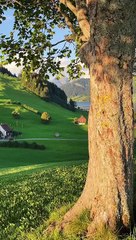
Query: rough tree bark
x,y
108,192
108,29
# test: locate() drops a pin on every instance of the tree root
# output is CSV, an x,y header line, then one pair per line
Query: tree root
x,y
95,229
68,218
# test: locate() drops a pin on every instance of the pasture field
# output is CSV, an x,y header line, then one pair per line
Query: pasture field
x,y
31,184
35,183
30,124
57,152
26,201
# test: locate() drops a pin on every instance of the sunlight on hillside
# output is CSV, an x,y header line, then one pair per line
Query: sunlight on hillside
x,y
2,88
30,128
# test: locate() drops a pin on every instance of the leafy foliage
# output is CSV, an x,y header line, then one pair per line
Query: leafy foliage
x,y
31,109
46,90
72,104
28,200
16,113
31,42
23,144
29,203
45,117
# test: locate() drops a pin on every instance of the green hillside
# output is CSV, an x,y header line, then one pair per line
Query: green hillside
x,y
71,147
29,191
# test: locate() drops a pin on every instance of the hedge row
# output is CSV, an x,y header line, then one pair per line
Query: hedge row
x,y
9,101
30,109
23,144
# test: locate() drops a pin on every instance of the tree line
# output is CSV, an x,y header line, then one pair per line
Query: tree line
x,y
48,91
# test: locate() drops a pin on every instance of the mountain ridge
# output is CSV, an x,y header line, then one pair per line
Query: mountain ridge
x,y
77,89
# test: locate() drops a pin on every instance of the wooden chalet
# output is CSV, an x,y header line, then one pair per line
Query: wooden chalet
x,y
5,131
81,120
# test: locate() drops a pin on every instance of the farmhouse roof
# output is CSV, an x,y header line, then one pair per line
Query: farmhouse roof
x,y
81,119
6,127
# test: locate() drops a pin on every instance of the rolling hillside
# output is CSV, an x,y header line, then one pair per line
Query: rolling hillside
x,y
29,124
29,191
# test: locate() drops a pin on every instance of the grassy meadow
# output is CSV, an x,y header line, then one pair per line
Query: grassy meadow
x,y
29,123
57,151
31,184
38,186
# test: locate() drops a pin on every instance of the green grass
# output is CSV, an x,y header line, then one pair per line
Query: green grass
x,y
57,153
28,193
31,184
30,202
27,200
30,124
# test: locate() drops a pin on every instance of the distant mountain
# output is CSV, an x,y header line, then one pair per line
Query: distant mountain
x,y
60,82
77,89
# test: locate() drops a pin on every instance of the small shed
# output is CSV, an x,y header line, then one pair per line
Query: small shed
x,y
81,120
5,130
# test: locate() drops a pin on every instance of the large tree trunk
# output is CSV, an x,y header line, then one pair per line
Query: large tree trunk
x,y
108,192
110,172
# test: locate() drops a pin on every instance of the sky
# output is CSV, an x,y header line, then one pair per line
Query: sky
x,y
7,26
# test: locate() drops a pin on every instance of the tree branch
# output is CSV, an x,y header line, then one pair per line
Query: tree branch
x,y
80,12
68,22
68,4
64,40
70,38
83,18
13,2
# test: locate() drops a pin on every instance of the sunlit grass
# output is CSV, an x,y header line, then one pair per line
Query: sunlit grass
x,y
27,170
28,200
57,153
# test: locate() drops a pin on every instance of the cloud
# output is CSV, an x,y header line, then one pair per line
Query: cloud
x,y
65,62
13,68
